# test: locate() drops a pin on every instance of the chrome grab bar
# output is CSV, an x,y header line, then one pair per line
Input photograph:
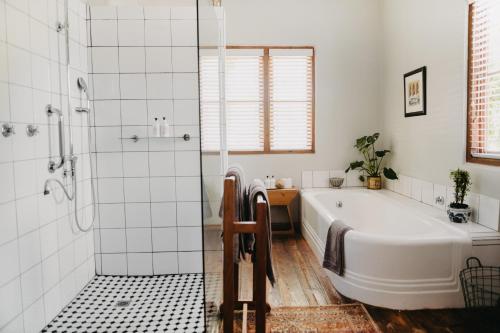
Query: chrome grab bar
x,y
53,166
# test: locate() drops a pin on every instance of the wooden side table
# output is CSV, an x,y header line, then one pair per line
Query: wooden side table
x,y
283,197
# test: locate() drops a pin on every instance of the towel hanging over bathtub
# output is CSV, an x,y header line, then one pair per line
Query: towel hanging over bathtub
x,y
334,259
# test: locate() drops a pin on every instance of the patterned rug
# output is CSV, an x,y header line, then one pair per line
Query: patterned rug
x,y
344,318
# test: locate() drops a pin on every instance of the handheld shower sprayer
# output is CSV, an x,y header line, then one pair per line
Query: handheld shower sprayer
x,y
82,85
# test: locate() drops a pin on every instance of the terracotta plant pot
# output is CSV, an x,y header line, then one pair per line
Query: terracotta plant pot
x,y
374,183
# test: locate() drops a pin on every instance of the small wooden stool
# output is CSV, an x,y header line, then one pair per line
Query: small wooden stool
x,y
283,197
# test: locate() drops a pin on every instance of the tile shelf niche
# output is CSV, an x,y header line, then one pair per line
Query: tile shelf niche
x,y
135,138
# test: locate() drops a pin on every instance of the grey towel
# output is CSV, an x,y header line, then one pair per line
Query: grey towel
x,y
239,184
240,206
255,189
334,259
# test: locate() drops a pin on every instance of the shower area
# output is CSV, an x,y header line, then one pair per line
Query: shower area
x,y
110,203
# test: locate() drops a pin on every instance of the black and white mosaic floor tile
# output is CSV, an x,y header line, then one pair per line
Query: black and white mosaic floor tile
x,y
135,304
213,298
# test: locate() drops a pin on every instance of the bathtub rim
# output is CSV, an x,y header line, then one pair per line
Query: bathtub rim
x,y
422,210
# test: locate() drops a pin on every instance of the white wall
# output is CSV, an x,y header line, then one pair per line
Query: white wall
x,y
145,66
346,36
44,260
433,34
363,49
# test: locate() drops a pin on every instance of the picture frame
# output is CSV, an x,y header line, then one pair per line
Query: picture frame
x,y
415,92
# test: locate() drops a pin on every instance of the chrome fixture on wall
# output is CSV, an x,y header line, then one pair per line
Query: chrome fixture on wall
x,y
73,170
135,137
31,130
82,85
63,27
53,166
8,130
440,200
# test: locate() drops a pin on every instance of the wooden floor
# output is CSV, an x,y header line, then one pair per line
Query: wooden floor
x,y
301,281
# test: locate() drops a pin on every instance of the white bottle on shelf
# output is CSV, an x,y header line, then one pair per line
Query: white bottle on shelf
x,y
273,182
164,128
156,128
267,183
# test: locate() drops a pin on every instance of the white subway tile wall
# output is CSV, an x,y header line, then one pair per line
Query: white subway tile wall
x,y
320,178
44,261
485,210
145,66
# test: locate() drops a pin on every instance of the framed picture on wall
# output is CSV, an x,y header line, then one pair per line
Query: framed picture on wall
x,y
415,92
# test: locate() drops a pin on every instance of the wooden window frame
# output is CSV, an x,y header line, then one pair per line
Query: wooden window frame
x,y
468,155
267,103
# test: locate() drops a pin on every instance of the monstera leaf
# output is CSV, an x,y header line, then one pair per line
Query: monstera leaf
x,y
390,174
382,153
360,143
372,138
354,165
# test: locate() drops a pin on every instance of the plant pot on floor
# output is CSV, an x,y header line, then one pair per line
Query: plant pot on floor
x,y
374,183
460,214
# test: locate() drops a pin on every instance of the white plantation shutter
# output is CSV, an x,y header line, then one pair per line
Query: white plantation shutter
x,y
269,100
291,99
245,99
209,102
484,79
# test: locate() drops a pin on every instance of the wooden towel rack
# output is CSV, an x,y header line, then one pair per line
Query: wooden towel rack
x,y
232,227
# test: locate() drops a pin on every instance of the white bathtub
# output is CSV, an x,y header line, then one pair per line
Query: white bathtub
x,y
401,254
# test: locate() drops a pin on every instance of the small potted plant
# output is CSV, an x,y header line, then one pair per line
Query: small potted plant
x,y
372,163
459,212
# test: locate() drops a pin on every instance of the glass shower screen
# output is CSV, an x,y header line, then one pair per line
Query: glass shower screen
x,y
211,49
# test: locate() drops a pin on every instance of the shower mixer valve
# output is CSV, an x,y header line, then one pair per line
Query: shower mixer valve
x,y
71,171
8,130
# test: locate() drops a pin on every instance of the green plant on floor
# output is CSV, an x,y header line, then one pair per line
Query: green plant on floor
x,y
372,159
461,178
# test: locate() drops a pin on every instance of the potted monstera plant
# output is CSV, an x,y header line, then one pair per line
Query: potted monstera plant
x,y
458,211
371,164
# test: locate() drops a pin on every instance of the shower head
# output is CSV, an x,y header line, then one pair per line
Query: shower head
x,y
82,85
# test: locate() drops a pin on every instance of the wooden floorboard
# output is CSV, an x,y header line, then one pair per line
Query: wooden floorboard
x,y
302,281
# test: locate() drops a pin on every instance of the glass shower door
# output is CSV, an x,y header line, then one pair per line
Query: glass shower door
x,y
211,49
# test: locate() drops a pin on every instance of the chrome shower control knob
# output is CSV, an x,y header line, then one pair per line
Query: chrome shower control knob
x,y
31,130
61,26
52,166
8,130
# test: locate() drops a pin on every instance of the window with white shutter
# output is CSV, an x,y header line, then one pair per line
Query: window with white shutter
x,y
483,120
269,93
245,100
209,101
291,99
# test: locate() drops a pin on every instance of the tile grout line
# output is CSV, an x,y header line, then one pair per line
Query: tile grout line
x,y
148,155
121,141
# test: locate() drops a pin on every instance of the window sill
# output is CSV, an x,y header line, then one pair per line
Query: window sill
x,y
483,160
275,152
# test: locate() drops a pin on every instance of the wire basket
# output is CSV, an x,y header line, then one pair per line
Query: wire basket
x,y
480,284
